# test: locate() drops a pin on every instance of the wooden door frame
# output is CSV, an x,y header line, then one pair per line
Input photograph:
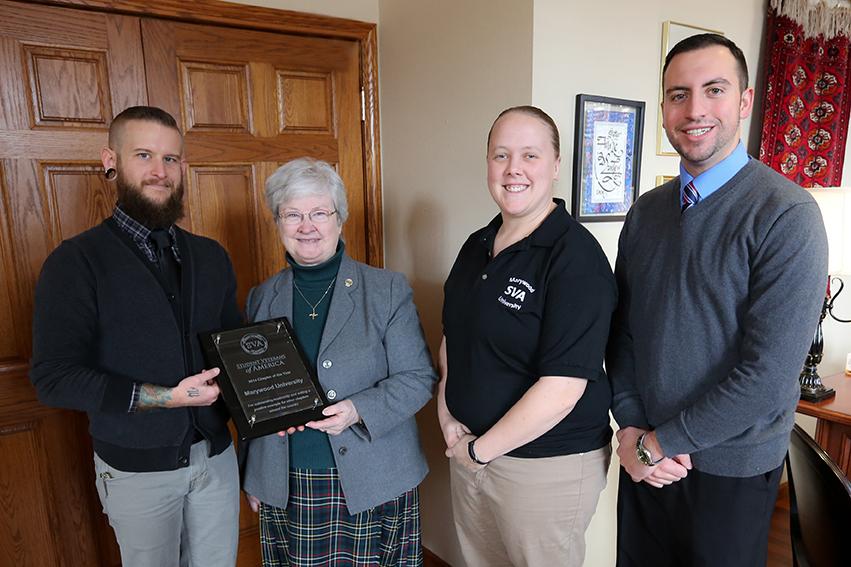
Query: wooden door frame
x,y
258,18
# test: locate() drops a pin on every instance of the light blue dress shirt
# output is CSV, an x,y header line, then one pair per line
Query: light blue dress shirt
x,y
713,178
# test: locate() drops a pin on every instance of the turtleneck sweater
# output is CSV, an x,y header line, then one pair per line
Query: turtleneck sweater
x,y
310,449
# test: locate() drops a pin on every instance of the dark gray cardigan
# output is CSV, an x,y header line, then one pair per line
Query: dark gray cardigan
x,y
102,321
717,310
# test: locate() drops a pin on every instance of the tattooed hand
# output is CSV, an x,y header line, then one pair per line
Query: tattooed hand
x,y
196,390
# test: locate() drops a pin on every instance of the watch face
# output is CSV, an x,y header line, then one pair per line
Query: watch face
x,y
643,453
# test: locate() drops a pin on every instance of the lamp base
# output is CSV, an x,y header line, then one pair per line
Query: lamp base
x,y
816,394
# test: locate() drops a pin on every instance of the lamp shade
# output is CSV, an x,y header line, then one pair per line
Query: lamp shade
x,y
835,205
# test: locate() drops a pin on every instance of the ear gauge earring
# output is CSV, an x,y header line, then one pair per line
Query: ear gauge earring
x,y
110,173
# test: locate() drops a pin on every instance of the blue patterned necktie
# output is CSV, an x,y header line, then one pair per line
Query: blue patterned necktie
x,y
690,197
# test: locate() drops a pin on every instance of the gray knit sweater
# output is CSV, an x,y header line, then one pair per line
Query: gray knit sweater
x,y
718,308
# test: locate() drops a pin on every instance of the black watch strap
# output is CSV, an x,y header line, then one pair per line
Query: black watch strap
x,y
472,452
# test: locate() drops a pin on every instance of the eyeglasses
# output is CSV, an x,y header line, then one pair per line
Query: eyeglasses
x,y
316,216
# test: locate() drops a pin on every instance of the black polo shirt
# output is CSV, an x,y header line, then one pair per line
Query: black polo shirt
x,y
542,307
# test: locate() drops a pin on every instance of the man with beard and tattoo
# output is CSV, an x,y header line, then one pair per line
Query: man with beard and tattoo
x,y
721,273
118,310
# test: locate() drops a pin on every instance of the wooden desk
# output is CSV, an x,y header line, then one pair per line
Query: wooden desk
x,y
833,430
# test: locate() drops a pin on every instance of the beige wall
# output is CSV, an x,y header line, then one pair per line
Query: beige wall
x,y
447,69
612,48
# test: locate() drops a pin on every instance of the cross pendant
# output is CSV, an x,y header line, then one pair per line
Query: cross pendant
x,y
313,315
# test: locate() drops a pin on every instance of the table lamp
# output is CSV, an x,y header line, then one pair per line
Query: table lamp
x,y
835,205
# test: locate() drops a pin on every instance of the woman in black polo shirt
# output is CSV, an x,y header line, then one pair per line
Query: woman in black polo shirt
x,y
523,399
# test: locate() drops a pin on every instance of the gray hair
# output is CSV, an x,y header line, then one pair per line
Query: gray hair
x,y
306,176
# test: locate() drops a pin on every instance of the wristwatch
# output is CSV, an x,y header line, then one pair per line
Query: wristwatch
x,y
643,453
472,452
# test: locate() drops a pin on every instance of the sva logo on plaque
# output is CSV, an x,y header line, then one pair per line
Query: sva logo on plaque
x,y
253,343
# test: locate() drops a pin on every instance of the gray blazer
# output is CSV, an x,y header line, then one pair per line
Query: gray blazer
x,y
372,352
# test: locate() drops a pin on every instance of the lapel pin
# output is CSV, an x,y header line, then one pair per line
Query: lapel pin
x,y
349,282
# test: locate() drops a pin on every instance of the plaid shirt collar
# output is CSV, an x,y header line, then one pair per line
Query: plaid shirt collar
x,y
141,234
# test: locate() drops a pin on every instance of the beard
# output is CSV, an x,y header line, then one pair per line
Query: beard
x,y
152,215
727,138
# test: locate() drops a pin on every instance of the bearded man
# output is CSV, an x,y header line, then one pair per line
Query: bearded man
x,y
118,310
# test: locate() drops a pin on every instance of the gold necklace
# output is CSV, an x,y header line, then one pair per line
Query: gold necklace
x,y
313,314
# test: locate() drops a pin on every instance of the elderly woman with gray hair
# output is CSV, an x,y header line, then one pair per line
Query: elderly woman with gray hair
x,y
341,490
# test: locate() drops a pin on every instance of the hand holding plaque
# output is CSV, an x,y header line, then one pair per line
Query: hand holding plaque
x,y
264,380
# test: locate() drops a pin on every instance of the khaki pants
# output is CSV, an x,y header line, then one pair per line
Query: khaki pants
x,y
527,512
187,517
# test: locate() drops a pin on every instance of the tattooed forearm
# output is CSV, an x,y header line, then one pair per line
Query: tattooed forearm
x,y
151,396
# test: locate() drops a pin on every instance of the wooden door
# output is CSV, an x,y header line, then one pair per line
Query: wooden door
x,y
248,101
63,75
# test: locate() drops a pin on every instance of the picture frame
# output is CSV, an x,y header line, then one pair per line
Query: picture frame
x,y
662,179
672,34
606,157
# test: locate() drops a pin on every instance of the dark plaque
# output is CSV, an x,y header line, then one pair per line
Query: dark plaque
x,y
264,380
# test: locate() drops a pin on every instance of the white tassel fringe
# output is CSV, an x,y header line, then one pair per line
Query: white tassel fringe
x,y
817,18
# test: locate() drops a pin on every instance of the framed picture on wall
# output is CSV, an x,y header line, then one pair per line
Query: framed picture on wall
x,y
672,34
662,179
606,157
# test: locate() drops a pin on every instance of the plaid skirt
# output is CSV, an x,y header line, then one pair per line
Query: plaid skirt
x,y
316,529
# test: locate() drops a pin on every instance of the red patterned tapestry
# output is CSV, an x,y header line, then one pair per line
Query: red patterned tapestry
x,y
806,103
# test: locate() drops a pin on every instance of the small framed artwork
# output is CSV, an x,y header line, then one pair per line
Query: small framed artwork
x,y
606,157
662,179
672,34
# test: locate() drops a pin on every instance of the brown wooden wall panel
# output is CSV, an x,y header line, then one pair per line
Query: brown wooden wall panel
x,y
74,505
206,147
249,535
270,249
350,163
221,207
215,97
162,71
68,87
80,197
18,401
23,496
58,145
288,51
845,453
126,62
50,25
305,102
14,111
32,236
10,345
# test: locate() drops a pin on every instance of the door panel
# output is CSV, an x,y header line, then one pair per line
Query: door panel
x,y
248,100
83,101
61,74
220,203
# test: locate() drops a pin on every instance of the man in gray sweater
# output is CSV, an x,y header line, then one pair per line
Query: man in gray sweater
x,y
721,273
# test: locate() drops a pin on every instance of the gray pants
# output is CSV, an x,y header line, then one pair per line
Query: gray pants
x,y
187,517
